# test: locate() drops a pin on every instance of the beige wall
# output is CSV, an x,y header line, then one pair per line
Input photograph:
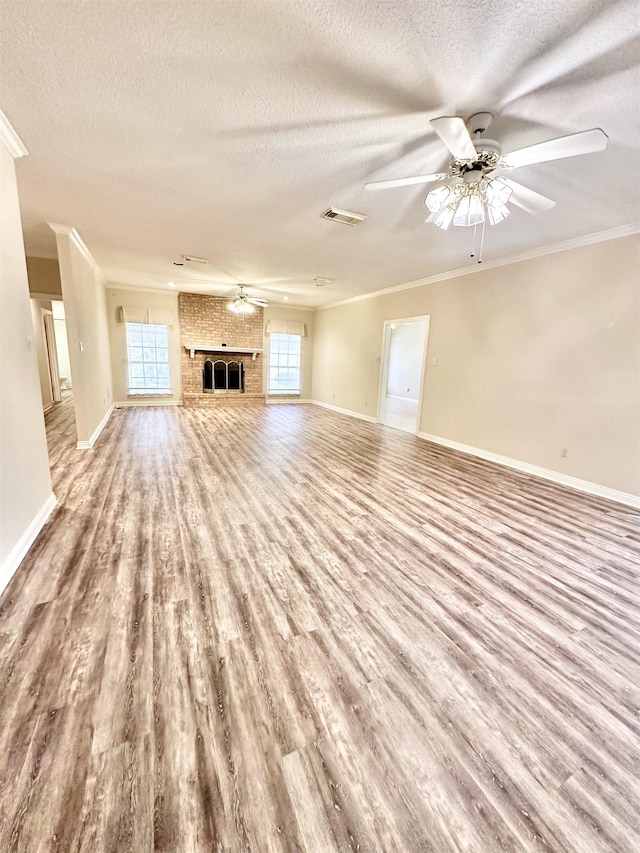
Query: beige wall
x,y
44,276
38,306
532,357
165,302
87,332
276,312
25,483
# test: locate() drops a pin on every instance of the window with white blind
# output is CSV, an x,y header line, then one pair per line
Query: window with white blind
x,y
284,364
148,359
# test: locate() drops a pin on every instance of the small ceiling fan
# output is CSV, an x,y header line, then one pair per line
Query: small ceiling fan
x,y
472,192
242,303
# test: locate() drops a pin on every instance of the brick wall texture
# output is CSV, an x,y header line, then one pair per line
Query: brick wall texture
x,y
206,320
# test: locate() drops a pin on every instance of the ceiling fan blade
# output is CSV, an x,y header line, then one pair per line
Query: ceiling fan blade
x,y
527,199
452,130
259,302
586,142
405,182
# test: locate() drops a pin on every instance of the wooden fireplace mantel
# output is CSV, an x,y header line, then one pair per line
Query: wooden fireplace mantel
x,y
193,348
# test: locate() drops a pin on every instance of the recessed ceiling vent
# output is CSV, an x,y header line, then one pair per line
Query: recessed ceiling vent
x,y
344,216
192,259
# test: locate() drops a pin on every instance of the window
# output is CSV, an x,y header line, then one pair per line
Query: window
x,y
148,358
284,364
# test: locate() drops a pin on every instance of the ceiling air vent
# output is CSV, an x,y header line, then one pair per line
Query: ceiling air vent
x,y
344,216
195,260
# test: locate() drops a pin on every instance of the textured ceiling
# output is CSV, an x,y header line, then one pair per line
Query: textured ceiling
x,y
224,129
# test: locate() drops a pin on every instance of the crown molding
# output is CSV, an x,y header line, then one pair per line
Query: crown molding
x,y
164,291
576,243
277,306
42,256
70,232
11,139
47,297
141,288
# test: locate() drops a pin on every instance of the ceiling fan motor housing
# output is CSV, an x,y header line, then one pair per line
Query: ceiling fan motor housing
x,y
489,152
479,122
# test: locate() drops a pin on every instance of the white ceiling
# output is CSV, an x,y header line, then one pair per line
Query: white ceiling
x,y
224,129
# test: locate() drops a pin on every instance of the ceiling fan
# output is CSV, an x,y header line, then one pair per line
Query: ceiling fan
x,y
241,303
472,192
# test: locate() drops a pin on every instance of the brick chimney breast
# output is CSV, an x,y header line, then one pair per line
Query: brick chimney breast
x,y
207,321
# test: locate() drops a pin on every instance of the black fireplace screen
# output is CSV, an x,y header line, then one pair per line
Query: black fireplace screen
x,y
222,376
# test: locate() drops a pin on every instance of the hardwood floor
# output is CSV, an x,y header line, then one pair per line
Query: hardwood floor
x,y
282,629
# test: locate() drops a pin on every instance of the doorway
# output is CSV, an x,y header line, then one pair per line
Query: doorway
x,y
404,350
62,344
52,355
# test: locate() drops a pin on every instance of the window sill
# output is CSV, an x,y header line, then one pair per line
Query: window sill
x,y
134,394
283,393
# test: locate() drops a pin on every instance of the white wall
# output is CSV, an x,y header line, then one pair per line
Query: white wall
x,y
62,346
406,351
62,351
532,357
167,303
26,498
87,332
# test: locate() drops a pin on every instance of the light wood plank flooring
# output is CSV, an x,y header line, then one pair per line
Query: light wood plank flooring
x,y
282,629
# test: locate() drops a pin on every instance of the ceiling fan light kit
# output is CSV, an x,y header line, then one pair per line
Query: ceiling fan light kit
x,y
470,202
241,303
241,307
476,194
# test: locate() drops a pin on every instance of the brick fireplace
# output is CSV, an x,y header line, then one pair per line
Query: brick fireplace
x,y
205,321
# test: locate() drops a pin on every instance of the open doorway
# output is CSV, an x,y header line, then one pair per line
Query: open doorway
x,y
404,351
51,353
60,419
52,349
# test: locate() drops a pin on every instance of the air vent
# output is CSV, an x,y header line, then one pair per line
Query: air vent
x,y
344,216
192,259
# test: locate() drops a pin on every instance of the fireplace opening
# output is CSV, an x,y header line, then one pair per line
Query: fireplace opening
x,y
218,377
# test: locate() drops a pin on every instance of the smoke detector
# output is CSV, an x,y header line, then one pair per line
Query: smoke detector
x,y
320,280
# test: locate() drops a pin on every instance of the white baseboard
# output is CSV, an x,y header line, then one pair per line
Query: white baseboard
x,y
348,412
18,552
87,445
130,404
283,401
536,471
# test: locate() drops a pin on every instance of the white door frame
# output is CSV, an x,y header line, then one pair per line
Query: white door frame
x,y
384,363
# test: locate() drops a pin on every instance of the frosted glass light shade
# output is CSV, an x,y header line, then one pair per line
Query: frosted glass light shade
x,y
438,199
241,307
497,193
444,217
470,211
497,213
